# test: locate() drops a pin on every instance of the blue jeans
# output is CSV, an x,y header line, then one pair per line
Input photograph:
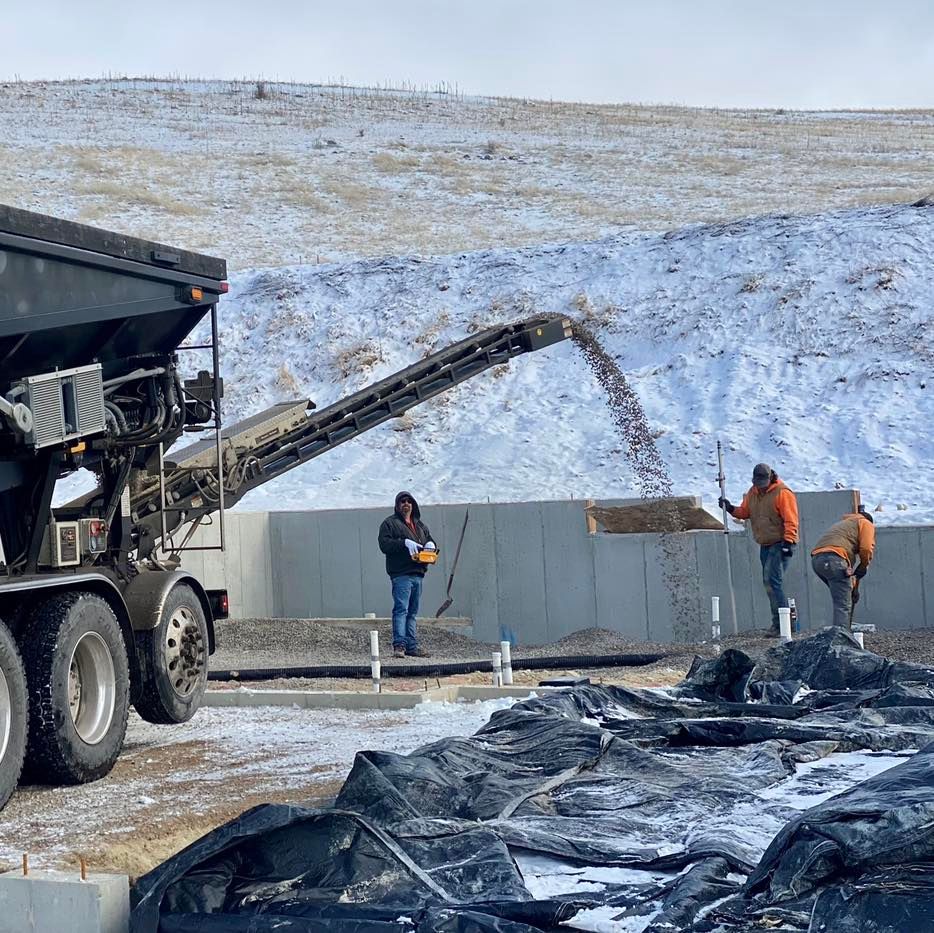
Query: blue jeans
x,y
773,573
406,593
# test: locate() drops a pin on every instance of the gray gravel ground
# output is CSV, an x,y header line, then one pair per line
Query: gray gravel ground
x,y
261,643
265,643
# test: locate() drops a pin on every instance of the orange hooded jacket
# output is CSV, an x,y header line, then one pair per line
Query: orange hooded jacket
x,y
772,513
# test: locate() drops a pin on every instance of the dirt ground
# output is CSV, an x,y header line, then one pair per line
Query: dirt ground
x,y
131,821
172,784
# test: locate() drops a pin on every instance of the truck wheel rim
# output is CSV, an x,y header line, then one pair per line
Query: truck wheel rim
x,y
185,654
92,688
6,714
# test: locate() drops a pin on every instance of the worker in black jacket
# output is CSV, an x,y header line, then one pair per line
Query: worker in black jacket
x,y
401,536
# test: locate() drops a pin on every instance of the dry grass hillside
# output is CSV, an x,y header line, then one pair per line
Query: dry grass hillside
x,y
268,174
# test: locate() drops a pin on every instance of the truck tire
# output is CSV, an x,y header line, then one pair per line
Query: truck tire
x,y
173,660
79,688
13,714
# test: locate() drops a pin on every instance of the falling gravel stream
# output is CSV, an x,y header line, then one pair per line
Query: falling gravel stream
x,y
679,562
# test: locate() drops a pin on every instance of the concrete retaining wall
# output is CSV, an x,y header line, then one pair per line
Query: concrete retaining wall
x,y
530,571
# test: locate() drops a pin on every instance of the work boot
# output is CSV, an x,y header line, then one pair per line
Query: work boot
x,y
774,631
418,653
398,652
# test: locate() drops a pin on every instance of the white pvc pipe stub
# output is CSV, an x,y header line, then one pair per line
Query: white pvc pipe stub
x,y
784,623
375,667
715,622
505,650
859,637
497,669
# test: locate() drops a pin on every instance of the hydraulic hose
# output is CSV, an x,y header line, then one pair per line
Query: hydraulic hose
x,y
558,663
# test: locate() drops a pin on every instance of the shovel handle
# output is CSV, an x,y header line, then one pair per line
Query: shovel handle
x,y
457,553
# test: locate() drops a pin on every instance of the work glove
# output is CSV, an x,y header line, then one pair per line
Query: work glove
x,y
725,504
431,546
788,548
412,546
860,572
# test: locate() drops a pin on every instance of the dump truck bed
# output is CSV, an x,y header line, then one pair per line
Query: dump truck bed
x,y
71,295
22,223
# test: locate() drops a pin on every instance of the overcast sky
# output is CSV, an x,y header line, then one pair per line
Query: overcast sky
x,y
784,53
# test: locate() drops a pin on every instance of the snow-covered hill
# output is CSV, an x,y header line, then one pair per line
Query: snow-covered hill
x,y
802,341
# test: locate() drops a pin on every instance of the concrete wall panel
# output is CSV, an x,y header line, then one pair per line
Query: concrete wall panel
x,y
256,586
374,582
620,584
658,601
475,588
570,597
710,547
887,598
747,577
339,553
296,567
926,538
531,572
520,563
233,570
213,562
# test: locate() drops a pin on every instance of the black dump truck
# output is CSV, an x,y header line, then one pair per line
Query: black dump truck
x,y
96,613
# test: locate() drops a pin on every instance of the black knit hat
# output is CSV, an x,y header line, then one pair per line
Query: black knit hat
x,y
864,514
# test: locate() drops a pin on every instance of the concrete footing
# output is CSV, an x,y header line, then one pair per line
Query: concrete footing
x,y
346,699
43,901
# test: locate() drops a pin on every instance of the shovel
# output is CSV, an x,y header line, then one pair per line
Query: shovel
x,y
447,603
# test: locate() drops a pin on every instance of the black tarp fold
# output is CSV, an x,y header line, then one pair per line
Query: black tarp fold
x,y
681,792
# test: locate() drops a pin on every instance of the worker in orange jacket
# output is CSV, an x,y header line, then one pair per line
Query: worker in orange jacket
x,y
834,561
772,511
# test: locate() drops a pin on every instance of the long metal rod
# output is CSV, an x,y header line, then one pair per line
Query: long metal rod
x,y
165,532
721,479
218,440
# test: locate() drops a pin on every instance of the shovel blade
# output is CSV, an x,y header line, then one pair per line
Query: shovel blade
x,y
444,607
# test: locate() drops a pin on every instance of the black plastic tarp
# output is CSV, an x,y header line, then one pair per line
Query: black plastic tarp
x,y
684,786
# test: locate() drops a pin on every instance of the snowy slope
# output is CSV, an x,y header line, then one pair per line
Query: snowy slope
x,y
802,341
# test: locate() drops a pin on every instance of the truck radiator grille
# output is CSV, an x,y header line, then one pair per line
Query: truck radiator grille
x,y
65,405
89,395
48,415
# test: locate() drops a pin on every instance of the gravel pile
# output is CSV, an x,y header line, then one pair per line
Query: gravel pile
x,y
915,645
269,643
300,642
